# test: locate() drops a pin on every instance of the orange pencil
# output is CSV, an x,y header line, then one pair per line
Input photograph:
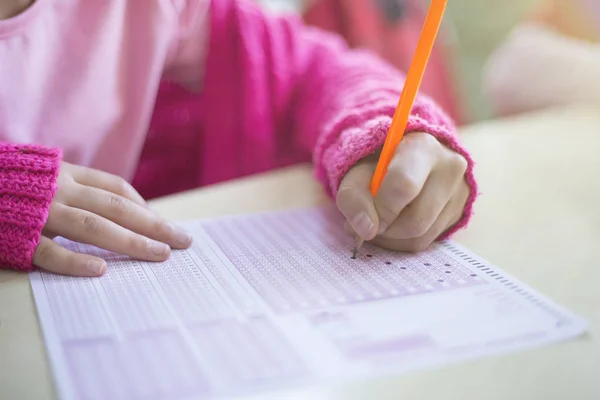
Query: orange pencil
x,y
412,83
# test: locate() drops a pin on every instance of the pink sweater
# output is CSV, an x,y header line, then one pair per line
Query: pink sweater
x,y
273,93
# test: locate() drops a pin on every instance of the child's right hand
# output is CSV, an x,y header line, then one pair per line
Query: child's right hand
x,y
102,210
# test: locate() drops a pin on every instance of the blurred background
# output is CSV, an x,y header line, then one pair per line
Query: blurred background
x,y
474,27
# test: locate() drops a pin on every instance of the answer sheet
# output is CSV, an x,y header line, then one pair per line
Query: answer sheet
x,y
274,300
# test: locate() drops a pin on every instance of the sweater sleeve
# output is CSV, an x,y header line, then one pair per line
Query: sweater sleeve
x,y
28,175
294,88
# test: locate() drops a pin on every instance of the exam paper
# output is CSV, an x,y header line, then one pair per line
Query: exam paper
x,y
274,300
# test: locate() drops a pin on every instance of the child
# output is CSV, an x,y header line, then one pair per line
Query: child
x,y
550,60
251,92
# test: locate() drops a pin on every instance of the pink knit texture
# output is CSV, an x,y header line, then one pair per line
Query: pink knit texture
x,y
274,93
27,184
277,92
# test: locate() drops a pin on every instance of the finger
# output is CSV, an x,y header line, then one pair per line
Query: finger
x,y
52,257
355,201
416,219
407,173
86,227
130,215
444,220
110,183
457,203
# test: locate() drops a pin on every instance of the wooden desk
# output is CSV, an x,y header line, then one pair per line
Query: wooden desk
x,y
540,195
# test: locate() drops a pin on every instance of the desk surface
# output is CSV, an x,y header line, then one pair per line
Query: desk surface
x,y
540,196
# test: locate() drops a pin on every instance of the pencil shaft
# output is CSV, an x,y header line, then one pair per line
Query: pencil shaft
x,y
411,87
357,246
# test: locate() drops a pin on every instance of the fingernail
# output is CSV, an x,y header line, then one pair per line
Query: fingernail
x,y
362,224
182,237
158,248
96,267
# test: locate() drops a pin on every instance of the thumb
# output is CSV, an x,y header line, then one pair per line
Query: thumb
x,y
355,201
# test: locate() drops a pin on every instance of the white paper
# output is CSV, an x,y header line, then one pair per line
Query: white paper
x,y
271,301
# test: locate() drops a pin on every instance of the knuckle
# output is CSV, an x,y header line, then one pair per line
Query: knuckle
x,y
428,140
118,204
403,185
123,186
416,226
139,244
92,224
120,185
79,172
160,227
457,163
86,175
387,211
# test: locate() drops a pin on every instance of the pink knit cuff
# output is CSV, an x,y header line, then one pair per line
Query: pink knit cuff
x,y
355,144
28,175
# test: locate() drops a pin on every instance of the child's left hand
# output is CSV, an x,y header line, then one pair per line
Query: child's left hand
x,y
423,194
